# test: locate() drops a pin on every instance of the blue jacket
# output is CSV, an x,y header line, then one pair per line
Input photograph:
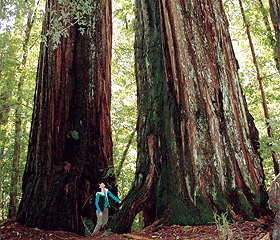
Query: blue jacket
x,y
107,192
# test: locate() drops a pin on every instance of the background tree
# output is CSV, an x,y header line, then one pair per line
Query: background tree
x,y
124,110
265,56
259,79
70,137
18,56
197,143
270,36
31,19
275,18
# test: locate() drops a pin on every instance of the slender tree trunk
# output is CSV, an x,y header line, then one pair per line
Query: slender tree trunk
x,y
16,157
70,138
4,117
197,142
275,18
265,109
270,36
125,154
4,97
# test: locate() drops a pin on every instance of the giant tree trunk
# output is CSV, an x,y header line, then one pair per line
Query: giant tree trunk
x,y
70,138
197,143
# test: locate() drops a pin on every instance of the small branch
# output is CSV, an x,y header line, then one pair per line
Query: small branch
x,y
125,154
64,29
86,202
86,226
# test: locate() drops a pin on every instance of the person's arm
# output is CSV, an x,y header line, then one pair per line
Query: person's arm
x,y
96,202
112,196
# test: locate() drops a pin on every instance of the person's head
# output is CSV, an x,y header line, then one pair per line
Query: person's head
x,y
101,185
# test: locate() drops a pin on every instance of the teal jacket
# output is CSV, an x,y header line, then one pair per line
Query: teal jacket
x,y
107,192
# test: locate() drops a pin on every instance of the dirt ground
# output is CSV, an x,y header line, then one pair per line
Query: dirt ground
x,y
260,230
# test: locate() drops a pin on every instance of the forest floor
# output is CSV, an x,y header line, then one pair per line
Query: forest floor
x,y
259,230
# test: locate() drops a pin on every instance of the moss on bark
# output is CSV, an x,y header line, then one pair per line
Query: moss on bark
x,y
70,138
196,150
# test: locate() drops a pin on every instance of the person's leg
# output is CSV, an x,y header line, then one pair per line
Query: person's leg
x,y
105,217
99,222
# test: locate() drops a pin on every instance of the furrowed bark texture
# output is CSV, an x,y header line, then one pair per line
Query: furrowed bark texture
x,y
197,143
70,139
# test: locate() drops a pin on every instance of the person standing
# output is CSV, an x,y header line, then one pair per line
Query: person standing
x,y
102,204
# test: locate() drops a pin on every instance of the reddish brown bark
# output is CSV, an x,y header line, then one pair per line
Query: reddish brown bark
x,y
197,150
70,138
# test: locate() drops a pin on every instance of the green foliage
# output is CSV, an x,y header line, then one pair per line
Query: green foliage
x,y
12,37
223,226
106,233
264,44
89,226
138,223
70,13
108,172
268,145
73,134
123,109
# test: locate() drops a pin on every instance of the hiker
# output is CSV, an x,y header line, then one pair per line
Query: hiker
x,y
102,204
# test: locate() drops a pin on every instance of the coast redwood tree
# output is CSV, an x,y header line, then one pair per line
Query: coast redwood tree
x,y
197,143
70,138
275,18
